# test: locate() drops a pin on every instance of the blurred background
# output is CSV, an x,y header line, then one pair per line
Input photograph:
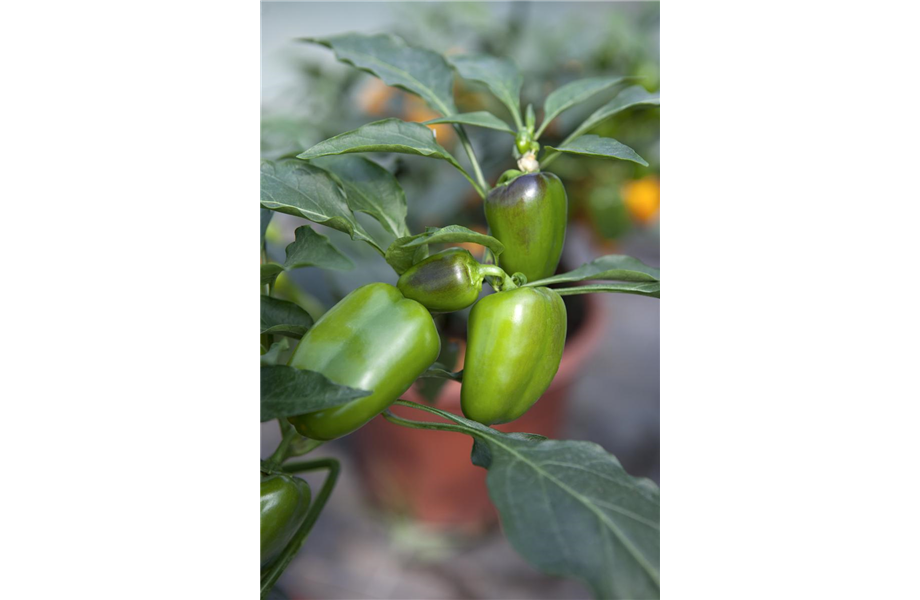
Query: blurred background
x,y
772,392
410,517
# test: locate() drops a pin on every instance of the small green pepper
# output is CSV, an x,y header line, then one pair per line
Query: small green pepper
x,y
447,281
529,215
513,350
374,339
284,503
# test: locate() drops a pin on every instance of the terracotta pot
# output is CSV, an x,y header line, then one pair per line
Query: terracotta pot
x,y
428,475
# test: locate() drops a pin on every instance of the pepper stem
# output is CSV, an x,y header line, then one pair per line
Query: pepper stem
x,y
507,283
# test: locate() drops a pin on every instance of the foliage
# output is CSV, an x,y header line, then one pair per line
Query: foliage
x,y
568,507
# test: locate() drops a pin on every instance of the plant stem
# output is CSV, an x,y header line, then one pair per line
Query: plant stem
x,y
269,578
549,159
465,141
281,452
309,446
376,247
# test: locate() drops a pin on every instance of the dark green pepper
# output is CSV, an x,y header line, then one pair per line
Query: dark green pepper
x,y
529,215
284,503
447,281
513,350
374,339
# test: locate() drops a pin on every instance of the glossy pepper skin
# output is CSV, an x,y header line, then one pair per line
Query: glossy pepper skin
x,y
447,281
284,503
514,346
374,339
528,215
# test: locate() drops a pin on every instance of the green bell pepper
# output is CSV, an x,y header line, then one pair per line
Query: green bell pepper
x,y
447,281
513,350
528,215
284,503
374,339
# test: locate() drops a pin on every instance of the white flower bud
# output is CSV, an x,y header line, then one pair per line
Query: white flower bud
x,y
528,163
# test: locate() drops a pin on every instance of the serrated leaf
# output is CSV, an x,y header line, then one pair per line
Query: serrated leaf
x,y
600,147
501,76
403,252
287,392
629,98
283,317
388,135
369,188
300,189
480,118
415,70
574,93
618,267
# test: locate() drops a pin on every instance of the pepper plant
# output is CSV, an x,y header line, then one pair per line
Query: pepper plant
x,y
568,507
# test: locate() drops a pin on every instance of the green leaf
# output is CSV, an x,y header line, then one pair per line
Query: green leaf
x,y
439,371
574,93
630,97
652,290
500,75
568,507
265,218
403,252
283,317
300,189
270,271
369,188
401,258
455,234
273,356
415,70
601,147
309,249
388,135
617,267
287,392
312,249
480,118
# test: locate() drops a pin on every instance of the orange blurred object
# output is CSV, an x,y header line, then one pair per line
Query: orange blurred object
x,y
642,198
474,249
415,110
374,97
